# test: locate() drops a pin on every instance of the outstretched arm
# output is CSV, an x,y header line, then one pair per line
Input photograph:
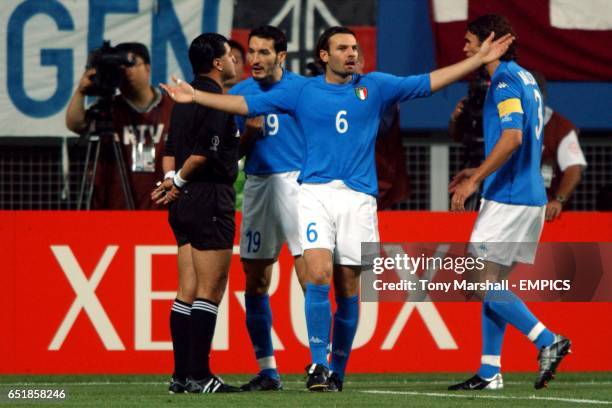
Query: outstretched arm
x,y
182,92
489,51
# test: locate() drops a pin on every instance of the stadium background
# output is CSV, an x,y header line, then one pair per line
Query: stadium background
x,y
106,280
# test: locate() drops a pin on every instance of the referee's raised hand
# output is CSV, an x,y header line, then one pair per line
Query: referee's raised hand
x,y
181,92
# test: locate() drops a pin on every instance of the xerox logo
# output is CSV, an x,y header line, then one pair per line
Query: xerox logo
x,y
91,292
88,301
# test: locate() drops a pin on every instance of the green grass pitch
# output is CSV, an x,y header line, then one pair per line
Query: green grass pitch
x,y
379,390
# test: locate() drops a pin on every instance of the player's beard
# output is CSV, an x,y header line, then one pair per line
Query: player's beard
x,y
342,74
268,79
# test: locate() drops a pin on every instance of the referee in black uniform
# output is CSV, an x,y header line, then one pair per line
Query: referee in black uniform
x,y
204,144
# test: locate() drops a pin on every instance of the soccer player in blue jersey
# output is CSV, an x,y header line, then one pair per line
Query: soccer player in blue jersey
x,y
513,205
338,113
274,150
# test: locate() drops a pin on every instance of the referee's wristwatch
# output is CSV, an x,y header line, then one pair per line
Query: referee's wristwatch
x,y
561,199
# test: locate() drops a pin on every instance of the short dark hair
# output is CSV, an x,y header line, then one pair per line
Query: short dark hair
x,y
203,51
237,46
482,26
323,42
271,33
135,48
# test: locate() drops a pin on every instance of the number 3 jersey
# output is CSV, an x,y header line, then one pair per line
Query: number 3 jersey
x,y
280,149
514,101
339,122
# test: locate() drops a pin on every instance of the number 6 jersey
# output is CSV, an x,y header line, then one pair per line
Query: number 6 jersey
x,y
339,122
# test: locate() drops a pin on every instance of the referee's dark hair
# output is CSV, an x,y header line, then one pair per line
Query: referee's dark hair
x,y
323,42
275,34
482,26
203,51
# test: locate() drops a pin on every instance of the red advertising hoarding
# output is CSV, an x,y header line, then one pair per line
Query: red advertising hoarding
x,y
90,292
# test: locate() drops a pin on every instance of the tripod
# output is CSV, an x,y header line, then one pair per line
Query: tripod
x,y
101,130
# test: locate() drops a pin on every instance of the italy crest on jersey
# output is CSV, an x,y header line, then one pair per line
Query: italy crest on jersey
x,y
361,92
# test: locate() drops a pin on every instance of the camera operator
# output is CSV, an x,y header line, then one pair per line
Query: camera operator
x,y
140,122
562,158
465,127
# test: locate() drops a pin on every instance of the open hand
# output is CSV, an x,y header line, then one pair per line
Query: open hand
x,y
181,92
491,50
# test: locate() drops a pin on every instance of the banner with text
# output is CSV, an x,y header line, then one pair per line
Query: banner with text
x,y
91,292
47,43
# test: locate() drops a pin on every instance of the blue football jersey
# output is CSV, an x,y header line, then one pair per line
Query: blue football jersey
x,y
281,148
340,122
514,101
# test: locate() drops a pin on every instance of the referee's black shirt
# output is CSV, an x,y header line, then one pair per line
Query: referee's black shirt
x,y
202,131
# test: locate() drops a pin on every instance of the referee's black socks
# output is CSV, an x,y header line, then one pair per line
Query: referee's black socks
x,y
180,329
203,321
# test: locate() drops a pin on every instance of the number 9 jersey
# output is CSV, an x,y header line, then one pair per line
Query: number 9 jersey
x,y
281,146
514,101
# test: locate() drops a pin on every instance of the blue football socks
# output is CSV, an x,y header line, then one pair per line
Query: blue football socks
x,y
345,327
259,325
318,321
493,330
513,310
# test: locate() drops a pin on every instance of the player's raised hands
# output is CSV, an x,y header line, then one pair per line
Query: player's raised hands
x,y
491,50
181,91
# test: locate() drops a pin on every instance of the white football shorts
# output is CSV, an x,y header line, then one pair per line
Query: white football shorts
x,y
506,233
270,216
335,217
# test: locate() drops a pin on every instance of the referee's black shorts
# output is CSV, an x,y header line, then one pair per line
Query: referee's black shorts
x,y
204,216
